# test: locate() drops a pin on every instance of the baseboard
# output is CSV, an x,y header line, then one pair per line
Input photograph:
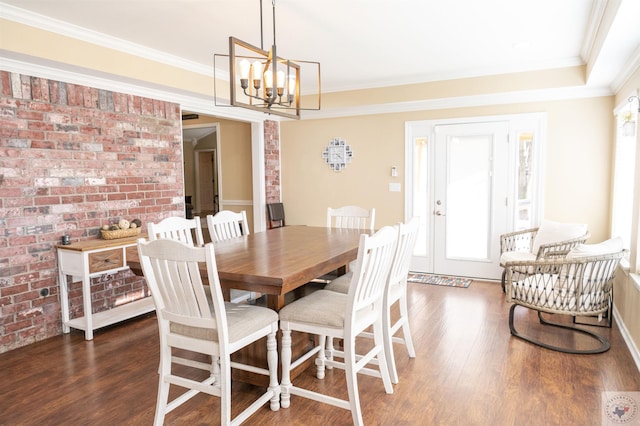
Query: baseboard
x,y
635,353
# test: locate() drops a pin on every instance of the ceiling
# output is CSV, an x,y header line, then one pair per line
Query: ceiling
x,y
373,43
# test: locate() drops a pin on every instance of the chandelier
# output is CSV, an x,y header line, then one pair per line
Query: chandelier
x,y
263,81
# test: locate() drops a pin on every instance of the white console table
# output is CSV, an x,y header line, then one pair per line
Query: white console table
x,y
88,259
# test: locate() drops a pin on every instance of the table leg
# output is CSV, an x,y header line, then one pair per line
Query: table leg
x,y
64,300
86,301
275,301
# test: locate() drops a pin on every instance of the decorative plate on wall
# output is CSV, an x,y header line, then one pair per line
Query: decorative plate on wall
x,y
337,154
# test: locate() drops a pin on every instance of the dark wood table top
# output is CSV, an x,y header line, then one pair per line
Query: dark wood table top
x,y
278,261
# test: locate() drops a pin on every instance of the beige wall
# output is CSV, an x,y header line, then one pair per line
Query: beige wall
x,y
578,162
38,43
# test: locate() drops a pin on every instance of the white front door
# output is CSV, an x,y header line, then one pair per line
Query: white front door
x,y
470,192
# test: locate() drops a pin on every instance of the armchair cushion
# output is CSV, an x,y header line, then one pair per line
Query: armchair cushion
x,y
551,232
613,245
516,256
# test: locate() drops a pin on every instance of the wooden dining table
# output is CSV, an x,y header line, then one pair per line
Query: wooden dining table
x,y
277,263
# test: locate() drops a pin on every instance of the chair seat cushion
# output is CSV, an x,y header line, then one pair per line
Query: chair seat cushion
x,y
340,284
611,246
516,256
242,320
322,307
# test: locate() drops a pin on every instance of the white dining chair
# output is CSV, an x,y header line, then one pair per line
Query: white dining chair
x,y
177,228
349,217
352,217
195,320
395,292
227,224
331,314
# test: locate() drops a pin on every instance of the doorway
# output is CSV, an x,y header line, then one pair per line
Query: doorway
x,y
469,191
206,182
201,167
462,181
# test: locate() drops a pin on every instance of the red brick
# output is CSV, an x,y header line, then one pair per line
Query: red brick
x,y
71,174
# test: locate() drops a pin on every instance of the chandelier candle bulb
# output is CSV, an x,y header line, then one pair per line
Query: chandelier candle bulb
x,y
268,79
280,82
245,69
257,74
292,85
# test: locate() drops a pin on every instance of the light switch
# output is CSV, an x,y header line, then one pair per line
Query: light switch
x,y
394,187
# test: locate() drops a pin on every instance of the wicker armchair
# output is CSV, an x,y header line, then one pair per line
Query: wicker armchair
x,y
549,241
579,285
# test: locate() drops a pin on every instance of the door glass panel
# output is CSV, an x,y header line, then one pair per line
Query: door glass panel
x,y
421,193
524,214
468,197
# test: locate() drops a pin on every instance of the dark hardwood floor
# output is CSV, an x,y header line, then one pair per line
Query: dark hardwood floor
x,y
468,371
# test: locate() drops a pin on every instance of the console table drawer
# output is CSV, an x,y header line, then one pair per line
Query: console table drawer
x,y
105,260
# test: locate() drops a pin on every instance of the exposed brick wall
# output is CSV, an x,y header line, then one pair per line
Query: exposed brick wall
x,y
72,158
272,161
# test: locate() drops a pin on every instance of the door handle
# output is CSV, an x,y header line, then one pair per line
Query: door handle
x,y
438,213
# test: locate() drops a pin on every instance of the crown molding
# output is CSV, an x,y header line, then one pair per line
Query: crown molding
x,y
463,102
632,65
198,103
46,23
189,101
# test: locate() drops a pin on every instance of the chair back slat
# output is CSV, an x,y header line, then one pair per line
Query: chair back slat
x,y
226,224
171,269
407,237
179,229
351,217
375,254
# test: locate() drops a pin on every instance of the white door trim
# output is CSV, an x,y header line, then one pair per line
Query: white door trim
x,y
535,122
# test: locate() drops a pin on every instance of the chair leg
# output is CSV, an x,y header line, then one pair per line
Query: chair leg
x,y
320,359
285,355
352,380
272,362
604,343
502,281
163,386
225,391
387,337
215,368
383,366
329,353
608,316
406,331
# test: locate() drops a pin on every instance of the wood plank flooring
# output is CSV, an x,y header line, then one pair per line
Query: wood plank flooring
x,y
468,371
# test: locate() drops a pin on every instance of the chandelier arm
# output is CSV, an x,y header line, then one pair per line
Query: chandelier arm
x,y
631,98
267,100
